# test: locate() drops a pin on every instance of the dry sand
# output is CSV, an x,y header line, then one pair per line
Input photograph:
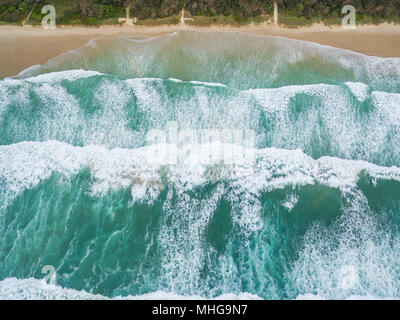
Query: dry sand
x,y
22,47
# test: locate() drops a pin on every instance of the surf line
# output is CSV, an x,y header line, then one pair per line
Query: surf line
x,y
163,310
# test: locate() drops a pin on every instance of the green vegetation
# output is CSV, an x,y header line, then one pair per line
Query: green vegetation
x,y
231,12
170,20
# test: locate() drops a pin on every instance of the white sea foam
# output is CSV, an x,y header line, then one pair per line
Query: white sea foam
x,y
325,122
204,83
350,297
24,165
69,75
35,289
290,201
28,70
387,105
359,89
211,84
355,257
329,120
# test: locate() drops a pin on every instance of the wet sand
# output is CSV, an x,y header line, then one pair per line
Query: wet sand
x,y
22,47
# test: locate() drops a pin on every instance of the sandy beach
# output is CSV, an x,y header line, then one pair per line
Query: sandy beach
x,y
22,47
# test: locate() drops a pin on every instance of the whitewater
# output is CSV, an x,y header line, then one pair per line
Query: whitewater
x,y
309,210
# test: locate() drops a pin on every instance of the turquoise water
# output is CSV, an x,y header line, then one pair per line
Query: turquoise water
x,y
314,213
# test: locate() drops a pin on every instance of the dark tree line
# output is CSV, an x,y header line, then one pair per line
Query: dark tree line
x,y
81,11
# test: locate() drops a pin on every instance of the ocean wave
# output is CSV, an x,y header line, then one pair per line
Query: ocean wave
x,y
354,257
349,120
280,226
26,164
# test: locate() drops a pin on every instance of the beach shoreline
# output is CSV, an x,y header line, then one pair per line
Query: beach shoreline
x,y
23,47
